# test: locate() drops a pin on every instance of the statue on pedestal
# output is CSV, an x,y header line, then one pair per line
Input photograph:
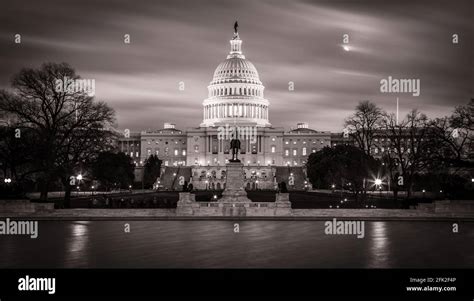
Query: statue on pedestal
x,y
235,146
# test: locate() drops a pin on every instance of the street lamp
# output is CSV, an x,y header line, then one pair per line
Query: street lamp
x,y
79,178
7,180
378,183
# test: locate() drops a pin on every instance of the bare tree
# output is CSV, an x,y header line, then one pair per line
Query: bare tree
x,y
61,121
408,141
363,124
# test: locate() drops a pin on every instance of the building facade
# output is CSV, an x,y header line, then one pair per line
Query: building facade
x,y
235,107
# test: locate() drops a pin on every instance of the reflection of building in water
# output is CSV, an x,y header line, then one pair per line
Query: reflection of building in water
x,y
235,98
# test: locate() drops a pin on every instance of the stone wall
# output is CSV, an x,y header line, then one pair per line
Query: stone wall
x,y
187,206
24,206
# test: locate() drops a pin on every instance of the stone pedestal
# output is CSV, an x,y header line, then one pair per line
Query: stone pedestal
x,y
186,204
282,204
234,187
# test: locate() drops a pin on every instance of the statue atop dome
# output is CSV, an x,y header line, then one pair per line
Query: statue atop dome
x,y
236,30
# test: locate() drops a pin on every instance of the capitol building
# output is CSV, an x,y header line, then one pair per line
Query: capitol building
x,y
236,99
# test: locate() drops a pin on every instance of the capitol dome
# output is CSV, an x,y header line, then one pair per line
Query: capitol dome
x,y
236,69
235,92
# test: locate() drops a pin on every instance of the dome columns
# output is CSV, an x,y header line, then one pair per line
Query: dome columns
x,y
228,111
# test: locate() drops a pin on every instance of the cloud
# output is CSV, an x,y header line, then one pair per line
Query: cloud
x,y
298,41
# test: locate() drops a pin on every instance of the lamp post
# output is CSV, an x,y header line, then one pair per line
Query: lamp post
x,y
378,184
78,178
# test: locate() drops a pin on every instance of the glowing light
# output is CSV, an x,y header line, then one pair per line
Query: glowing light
x,y
378,182
346,48
79,177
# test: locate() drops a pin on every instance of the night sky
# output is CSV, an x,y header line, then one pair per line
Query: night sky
x,y
298,41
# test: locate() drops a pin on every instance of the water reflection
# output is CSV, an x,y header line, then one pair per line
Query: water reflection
x,y
380,252
258,244
77,243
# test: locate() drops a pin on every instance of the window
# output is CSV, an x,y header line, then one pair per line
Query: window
x,y
287,152
175,152
196,148
184,152
273,148
304,151
286,142
295,152
136,154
